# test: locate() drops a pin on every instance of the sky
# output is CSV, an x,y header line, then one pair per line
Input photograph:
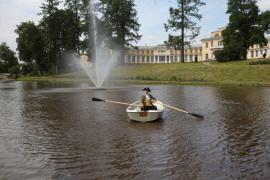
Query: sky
x,y
152,15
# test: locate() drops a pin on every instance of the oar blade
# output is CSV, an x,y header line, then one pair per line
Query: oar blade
x,y
196,115
97,99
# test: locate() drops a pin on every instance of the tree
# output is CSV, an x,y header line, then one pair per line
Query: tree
x,y
119,18
62,26
48,8
183,18
48,26
60,29
244,29
30,45
8,58
78,7
265,21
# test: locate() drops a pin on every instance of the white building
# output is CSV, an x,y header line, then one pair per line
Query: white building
x,y
162,54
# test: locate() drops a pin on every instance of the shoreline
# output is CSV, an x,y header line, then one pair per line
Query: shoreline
x,y
147,82
237,73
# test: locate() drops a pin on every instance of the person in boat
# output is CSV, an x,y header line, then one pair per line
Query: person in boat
x,y
148,100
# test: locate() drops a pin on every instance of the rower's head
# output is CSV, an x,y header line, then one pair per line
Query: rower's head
x,y
146,90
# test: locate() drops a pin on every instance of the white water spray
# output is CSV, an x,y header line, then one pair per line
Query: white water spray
x,y
102,57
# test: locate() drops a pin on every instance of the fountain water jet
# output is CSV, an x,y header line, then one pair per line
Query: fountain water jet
x,y
103,58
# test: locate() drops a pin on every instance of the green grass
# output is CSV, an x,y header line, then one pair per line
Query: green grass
x,y
230,73
237,73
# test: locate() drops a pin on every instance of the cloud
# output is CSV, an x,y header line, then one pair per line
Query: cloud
x,y
13,12
264,4
154,13
152,16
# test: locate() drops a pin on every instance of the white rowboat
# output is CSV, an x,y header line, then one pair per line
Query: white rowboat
x,y
135,113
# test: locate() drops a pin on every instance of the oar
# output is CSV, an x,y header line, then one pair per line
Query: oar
x,y
115,102
184,111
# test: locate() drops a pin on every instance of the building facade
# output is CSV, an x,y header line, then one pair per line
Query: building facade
x,y
210,45
258,51
198,53
162,54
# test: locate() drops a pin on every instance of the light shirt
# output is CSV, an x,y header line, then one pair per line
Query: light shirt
x,y
147,97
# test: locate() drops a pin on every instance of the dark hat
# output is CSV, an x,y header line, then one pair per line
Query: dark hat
x,y
146,89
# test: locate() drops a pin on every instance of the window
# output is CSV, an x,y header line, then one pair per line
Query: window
x,y
266,51
161,58
212,43
252,54
206,45
206,56
219,43
256,53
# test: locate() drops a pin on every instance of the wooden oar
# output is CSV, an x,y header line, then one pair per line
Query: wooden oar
x,y
184,111
115,102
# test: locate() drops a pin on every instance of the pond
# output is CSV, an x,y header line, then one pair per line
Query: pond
x,y
54,131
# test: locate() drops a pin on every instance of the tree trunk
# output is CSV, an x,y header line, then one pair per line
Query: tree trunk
x,y
77,30
183,35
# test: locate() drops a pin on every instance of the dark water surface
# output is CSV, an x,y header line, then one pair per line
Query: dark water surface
x,y
52,131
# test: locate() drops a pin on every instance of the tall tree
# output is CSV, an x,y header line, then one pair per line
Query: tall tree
x,y
183,18
49,7
30,46
48,26
244,28
62,26
119,18
8,58
265,21
78,8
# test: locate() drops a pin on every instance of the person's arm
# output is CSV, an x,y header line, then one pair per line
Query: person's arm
x,y
153,99
142,99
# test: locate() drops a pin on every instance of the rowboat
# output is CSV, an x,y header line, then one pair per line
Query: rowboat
x,y
136,114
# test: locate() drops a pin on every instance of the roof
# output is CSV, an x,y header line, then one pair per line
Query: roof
x,y
212,38
163,47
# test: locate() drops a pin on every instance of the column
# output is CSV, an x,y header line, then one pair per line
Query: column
x,y
126,59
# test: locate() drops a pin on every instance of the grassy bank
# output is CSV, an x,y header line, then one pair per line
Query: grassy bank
x,y
233,73
236,73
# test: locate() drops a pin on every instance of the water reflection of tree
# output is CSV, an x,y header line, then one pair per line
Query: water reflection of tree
x,y
240,111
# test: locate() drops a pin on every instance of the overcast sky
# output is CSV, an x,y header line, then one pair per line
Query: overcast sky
x,y
152,15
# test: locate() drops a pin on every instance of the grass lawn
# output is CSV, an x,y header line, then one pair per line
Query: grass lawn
x,y
238,72
234,73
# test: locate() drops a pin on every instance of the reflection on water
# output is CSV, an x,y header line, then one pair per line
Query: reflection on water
x,y
53,131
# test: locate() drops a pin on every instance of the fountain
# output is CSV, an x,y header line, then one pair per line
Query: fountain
x,y
103,58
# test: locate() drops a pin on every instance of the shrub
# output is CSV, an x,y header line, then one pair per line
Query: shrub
x,y
14,71
1,66
226,55
220,55
260,62
173,78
